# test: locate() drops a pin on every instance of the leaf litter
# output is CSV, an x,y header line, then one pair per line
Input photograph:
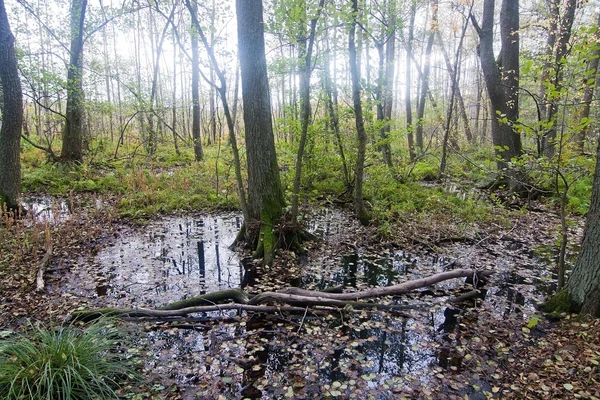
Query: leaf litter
x,y
496,346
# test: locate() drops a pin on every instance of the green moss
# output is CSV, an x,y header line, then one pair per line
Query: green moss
x,y
559,303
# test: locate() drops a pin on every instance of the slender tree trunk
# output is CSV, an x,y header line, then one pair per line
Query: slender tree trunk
x,y
502,86
425,78
306,44
72,146
359,204
265,194
196,89
385,82
174,99
333,116
591,84
408,83
556,77
152,134
454,93
230,116
12,118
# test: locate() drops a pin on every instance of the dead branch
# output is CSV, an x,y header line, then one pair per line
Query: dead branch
x,y
39,281
296,300
394,290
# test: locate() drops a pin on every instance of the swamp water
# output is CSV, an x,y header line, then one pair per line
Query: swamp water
x,y
310,356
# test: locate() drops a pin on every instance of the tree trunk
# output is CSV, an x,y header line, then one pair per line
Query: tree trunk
x,y
174,100
152,134
502,80
12,117
453,70
306,44
408,83
589,89
198,153
425,77
556,76
584,283
328,85
361,134
265,194
230,116
72,145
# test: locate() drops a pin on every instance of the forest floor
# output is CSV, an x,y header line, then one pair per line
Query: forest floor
x,y
498,346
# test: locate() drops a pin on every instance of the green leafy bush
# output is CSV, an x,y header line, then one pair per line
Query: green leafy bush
x,y
62,364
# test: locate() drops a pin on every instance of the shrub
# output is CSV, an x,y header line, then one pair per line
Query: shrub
x,y
62,364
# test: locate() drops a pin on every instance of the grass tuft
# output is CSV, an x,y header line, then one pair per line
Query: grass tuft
x,y
63,364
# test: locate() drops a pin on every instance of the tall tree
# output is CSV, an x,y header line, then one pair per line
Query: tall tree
x,y
554,78
590,84
229,115
454,92
425,77
502,76
198,153
306,43
361,134
265,195
12,117
408,93
72,137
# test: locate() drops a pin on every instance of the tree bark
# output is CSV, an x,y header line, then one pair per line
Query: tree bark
x,y
584,284
72,137
361,134
12,117
265,194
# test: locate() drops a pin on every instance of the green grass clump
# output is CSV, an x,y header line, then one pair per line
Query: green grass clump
x,y
62,364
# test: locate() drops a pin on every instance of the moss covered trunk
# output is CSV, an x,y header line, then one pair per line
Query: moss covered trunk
x,y
265,195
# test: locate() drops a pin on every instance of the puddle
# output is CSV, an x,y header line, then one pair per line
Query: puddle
x,y
178,257
46,209
171,259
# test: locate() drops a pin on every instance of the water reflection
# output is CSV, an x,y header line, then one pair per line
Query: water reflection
x,y
174,258
178,257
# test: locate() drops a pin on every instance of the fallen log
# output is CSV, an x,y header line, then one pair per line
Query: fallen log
x,y
222,296
90,315
394,290
295,300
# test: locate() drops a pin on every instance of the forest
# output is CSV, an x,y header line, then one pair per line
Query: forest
x,y
307,199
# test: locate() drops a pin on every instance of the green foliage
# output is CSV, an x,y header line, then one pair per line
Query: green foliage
x,y
167,183
412,201
62,364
